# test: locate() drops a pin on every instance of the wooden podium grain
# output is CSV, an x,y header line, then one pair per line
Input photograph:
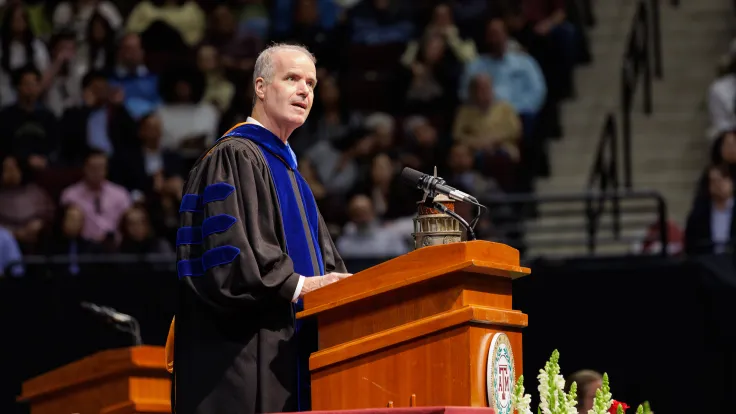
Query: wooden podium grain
x,y
415,330
120,381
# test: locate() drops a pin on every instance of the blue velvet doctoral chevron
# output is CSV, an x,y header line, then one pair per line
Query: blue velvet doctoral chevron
x,y
217,192
281,160
189,235
193,203
217,224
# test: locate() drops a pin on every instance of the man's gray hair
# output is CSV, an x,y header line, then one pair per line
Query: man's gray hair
x,y
264,63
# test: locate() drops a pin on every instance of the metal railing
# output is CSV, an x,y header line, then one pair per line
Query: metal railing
x,y
604,177
613,204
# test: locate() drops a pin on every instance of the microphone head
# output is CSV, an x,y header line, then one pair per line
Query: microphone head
x,y
411,176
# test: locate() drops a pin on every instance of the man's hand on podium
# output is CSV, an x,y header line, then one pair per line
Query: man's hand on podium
x,y
315,282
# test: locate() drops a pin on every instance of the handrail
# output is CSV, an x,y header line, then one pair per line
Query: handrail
x,y
589,198
604,173
636,64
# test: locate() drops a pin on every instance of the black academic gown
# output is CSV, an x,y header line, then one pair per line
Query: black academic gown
x,y
235,346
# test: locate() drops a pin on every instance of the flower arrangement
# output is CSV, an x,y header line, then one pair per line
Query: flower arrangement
x,y
554,400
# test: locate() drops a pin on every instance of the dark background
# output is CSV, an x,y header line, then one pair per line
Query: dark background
x,y
661,328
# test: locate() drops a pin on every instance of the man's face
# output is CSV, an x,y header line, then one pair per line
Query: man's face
x,y
131,52
496,36
95,170
482,92
288,97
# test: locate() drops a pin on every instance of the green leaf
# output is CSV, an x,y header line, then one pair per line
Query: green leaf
x,y
640,409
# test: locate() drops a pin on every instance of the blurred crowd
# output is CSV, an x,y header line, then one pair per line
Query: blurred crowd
x,y
105,105
710,226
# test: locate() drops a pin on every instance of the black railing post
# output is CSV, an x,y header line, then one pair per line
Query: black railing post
x,y
644,57
656,38
613,172
626,125
663,230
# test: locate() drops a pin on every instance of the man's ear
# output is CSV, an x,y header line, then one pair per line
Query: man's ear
x,y
260,85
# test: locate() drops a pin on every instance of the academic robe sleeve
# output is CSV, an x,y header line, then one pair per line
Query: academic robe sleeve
x,y
242,260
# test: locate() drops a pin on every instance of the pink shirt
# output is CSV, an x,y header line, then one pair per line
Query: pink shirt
x,y
102,210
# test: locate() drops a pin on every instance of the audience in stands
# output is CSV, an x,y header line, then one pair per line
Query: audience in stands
x,y
710,225
148,85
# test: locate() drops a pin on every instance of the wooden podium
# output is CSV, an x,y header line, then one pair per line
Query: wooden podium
x,y
119,381
415,330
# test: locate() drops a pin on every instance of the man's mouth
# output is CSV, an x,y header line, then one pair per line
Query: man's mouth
x,y
302,105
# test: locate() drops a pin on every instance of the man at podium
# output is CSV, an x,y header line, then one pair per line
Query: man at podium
x,y
250,236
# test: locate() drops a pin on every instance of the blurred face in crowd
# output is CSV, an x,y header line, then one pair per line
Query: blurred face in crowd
x,y
434,48
66,46
481,90
360,210
183,91
728,148
73,221
29,88
222,20
306,11
426,135
136,224
288,96
130,53
12,176
19,23
97,91
442,16
381,4
150,131
382,170
99,29
207,59
496,37
720,184
95,170
329,94
461,159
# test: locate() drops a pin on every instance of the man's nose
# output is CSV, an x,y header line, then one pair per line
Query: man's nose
x,y
303,89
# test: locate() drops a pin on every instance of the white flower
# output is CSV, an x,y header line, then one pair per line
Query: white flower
x,y
519,401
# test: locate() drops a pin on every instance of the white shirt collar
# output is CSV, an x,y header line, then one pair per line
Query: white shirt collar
x,y
252,120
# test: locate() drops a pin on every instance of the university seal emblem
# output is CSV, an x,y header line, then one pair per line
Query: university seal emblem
x,y
500,375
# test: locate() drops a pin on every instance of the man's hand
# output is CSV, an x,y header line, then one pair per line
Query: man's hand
x,y
315,282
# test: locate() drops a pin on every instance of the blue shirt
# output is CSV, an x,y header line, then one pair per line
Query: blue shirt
x,y
516,77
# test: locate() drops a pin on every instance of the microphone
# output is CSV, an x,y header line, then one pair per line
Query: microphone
x,y
431,185
123,322
107,313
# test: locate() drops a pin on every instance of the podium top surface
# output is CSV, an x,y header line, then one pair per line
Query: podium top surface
x,y
149,359
483,257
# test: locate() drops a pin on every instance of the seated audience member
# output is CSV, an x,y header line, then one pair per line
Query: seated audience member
x,y
723,151
218,90
313,28
422,149
375,22
139,85
486,124
97,48
66,238
138,236
463,175
64,76
431,78
517,77
26,208
238,50
390,197
23,48
443,24
710,226
27,129
76,16
588,382
148,169
102,202
189,124
100,123
721,100
363,236
11,259
185,16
